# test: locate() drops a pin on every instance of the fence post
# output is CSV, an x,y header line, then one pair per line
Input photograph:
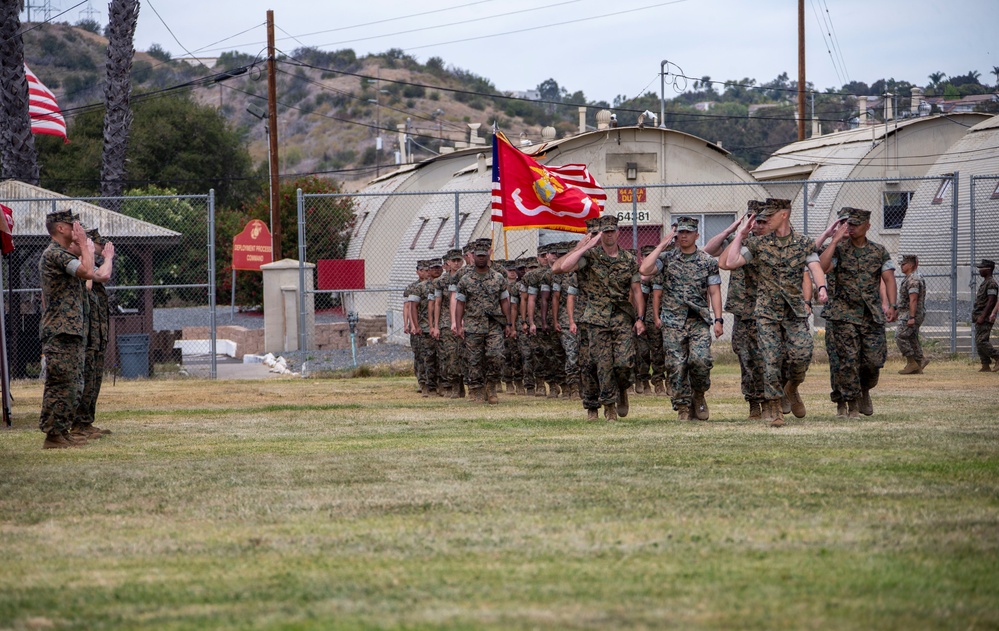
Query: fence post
x,y
634,218
213,368
457,222
953,263
972,277
301,270
804,208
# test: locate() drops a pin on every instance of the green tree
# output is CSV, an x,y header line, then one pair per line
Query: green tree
x,y
328,230
174,142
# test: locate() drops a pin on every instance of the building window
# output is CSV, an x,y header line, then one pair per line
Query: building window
x,y
815,192
433,242
461,224
894,207
942,191
412,246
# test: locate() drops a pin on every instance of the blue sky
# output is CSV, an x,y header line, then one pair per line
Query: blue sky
x,y
603,48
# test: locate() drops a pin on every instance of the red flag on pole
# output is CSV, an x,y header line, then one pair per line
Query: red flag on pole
x,y
529,195
46,117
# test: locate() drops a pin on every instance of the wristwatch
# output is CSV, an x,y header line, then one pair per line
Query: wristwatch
x,y
722,320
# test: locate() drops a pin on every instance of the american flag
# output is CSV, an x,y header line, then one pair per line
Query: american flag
x,y
46,117
575,175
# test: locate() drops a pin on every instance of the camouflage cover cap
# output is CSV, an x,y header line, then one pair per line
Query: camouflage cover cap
x,y
531,262
564,247
593,225
910,258
452,254
843,213
987,263
774,206
468,247
647,248
482,246
61,216
521,262
435,263
421,264
608,223
857,216
94,235
686,224
755,206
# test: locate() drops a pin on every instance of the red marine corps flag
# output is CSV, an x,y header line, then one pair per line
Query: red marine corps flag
x,y
529,195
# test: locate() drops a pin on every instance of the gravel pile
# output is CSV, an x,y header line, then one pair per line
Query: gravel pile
x,y
320,361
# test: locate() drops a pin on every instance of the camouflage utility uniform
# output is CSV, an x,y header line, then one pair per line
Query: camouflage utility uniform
x,y
483,322
649,353
785,341
563,286
449,344
686,321
983,346
855,316
63,334
907,336
513,362
411,294
97,342
609,316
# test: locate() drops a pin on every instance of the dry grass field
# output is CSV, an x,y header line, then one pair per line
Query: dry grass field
x,y
355,503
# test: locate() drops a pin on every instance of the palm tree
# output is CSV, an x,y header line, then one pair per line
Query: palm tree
x,y
122,17
20,160
935,79
995,71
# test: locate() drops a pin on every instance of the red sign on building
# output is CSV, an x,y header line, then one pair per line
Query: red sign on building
x,y
626,196
251,248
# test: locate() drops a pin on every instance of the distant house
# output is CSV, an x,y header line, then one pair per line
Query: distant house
x,y
964,104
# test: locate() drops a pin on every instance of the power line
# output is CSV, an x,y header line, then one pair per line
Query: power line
x,y
839,49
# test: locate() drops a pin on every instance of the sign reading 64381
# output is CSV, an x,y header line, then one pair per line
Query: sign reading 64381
x,y
643,216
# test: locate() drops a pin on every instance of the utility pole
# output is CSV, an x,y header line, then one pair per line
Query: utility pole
x,y
801,69
272,137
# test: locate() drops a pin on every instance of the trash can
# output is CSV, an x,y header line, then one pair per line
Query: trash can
x,y
133,354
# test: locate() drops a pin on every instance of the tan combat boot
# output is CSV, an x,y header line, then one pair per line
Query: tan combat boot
x,y
519,385
842,409
529,391
424,391
622,403
477,395
57,440
461,389
911,367
455,392
755,411
924,361
854,409
491,397
794,399
683,412
766,411
610,412
660,387
986,366
554,390
539,389
778,418
639,386
866,405
700,406
445,391
592,414
784,403
87,432
510,387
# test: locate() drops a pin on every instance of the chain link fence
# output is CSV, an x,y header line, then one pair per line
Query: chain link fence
x,y
161,293
394,230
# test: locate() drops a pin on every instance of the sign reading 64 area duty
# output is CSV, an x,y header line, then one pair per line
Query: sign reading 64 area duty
x,y
626,216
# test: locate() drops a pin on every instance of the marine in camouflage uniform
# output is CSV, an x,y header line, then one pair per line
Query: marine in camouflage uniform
x,y
65,266
448,344
834,372
482,319
649,354
689,307
513,363
855,312
97,338
609,277
985,301
779,259
411,299
539,323
524,339
912,311
564,286
740,301
589,383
